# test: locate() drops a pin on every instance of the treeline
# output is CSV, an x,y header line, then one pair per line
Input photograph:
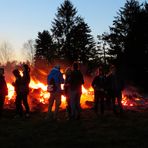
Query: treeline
x,y
125,45
69,39
128,41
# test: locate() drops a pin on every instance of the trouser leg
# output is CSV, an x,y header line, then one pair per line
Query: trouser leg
x,y
57,104
102,105
51,101
96,102
25,103
73,103
78,107
19,108
119,100
2,100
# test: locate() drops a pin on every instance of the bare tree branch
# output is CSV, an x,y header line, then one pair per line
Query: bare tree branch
x,y
6,52
29,51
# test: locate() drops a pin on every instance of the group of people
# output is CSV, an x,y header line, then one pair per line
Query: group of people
x,y
72,90
106,87
21,85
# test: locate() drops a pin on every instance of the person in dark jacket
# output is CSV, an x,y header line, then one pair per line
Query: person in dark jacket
x,y
17,86
68,72
3,90
20,89
99,86
26,81
76,82
115,86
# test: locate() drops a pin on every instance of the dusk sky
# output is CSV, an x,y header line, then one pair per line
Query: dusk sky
x,y
21,20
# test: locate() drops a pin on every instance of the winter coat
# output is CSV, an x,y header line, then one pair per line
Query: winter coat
x,y
20,86
76,80
58,78
26,80
3,86
115,84
99,83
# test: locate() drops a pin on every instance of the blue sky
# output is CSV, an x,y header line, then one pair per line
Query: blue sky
x,y
21,20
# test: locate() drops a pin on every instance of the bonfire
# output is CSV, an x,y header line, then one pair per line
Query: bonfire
x,y
38,97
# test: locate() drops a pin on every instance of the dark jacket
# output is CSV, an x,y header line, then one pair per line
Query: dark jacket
x,y
19,86
99,83
26,81
76,80
3,86
115,84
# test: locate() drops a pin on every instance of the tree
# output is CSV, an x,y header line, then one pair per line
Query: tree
x,y
6,52
128,40
83,42
44,47
72,35
29,50
103,50
122,33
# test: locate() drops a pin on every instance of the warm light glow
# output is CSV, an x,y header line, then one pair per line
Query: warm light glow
x,y
36,85
43,95
10,91
38,94
84,91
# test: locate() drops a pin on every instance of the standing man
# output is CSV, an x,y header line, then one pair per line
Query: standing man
x,y
26,81
54,81
115,87
76,82
99,87
19,89
3,90
67,91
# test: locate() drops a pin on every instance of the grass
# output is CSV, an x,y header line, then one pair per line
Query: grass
x,y
90,131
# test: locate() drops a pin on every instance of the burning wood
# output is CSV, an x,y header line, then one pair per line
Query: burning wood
x,y
132,99
38,97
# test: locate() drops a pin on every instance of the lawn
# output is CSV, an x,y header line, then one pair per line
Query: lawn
x,y
90,131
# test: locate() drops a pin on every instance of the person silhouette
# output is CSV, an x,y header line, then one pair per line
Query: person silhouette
x,y
99,86
3,90
56,78
76,82
68,72
26,80
115,87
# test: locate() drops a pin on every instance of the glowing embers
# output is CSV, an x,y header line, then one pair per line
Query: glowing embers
x,y
38,97
132,99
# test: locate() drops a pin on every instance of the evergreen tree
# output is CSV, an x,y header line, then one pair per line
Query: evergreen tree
x,y
83,42
44,47
72,35
143,37
103,50
126,37
122,34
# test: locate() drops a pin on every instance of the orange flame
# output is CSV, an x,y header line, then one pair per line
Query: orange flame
x,y
44,94
38,94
